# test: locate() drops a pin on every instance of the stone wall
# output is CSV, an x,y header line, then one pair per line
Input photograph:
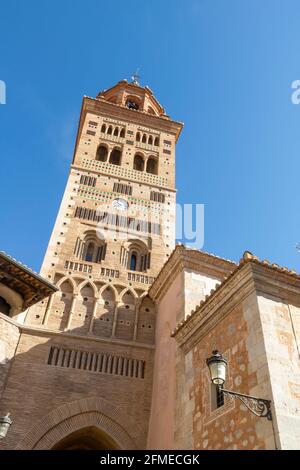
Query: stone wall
x,y
281,331
199,424
40,383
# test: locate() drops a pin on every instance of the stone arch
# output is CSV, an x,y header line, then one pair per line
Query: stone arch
x,y
102,152
70,417
103,288
104,312
139,162
91,283
126,314
61,304
67,278
115,156
152,165
128,289
84,307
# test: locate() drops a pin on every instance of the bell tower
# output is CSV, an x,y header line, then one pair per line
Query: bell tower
x,y
116,224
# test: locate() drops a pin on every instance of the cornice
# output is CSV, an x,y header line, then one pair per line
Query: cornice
x,y
183,258
135,116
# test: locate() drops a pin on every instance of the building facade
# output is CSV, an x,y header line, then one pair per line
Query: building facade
x,y
110,351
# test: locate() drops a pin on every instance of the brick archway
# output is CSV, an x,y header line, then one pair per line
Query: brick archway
x,y
74,416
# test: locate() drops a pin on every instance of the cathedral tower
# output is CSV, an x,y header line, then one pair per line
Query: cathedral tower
x,y
116,224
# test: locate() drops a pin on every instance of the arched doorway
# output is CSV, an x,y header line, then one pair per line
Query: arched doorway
x,y
85,423
89,438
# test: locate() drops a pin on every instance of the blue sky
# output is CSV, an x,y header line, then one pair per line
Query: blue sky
x,y
223,67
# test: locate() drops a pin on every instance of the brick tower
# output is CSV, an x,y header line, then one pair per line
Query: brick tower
x,y
116,223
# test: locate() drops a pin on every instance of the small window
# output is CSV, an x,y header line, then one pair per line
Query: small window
x,y
89,252
133,262
102,153
217,397
138,163
115,157
151,166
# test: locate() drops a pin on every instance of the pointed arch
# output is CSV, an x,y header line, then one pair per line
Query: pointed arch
x,y
88,282
128,289
69,279
108,286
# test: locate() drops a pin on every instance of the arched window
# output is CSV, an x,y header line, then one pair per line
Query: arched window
x,y
133,260
135,255
101,153
90,252
144,139
115,157
151,166
138,163
116,131
150,140
91,248
156,141
109,130
103,128
122,133
138,137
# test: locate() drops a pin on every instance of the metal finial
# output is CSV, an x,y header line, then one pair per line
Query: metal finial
x,y
135,77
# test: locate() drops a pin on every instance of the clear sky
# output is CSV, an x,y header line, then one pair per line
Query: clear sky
x,y
223,67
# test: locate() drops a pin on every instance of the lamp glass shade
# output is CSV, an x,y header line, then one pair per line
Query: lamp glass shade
x,y
217,366
5,423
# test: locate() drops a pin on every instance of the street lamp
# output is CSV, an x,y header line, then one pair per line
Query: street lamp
x,y
217,365
5,423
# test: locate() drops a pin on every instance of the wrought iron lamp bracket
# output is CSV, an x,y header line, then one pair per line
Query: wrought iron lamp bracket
x,y
258,406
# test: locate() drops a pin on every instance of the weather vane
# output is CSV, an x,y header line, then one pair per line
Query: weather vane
x,y
135,77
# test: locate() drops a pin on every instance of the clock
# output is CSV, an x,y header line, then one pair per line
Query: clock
x,y
120,204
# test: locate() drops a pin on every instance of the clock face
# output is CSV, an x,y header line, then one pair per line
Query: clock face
x,y
120,204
